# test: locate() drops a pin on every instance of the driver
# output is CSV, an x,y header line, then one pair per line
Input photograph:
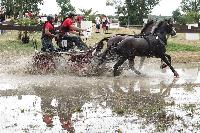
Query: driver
x,y
69,29
47,35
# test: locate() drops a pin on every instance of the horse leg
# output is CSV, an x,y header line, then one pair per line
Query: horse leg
x,y
163,65
116,66
163,57
141,62
169,58
131,65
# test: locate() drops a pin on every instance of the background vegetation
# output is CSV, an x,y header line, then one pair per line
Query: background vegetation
x,y
129,12
189,12
9,43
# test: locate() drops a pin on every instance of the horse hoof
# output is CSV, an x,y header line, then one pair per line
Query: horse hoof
x,y
116,73
163,66
176,74
138,73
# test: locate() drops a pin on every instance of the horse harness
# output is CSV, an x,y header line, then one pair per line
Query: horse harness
x,y
156,45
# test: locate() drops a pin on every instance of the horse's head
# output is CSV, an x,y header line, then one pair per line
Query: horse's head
x,y
166,26
170,27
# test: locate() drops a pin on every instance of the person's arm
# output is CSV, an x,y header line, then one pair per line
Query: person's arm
x,y
76,28
75,32
47,32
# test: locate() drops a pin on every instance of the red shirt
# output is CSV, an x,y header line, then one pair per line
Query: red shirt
x,y
67,23
79,18
48,26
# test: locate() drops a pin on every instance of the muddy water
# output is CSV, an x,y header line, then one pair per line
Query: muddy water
x,y
153,102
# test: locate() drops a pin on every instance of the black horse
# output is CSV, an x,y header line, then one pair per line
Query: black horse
x,y
152,45
112,42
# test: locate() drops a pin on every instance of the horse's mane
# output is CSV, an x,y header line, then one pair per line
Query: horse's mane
x,y
147,25
100,43
158,25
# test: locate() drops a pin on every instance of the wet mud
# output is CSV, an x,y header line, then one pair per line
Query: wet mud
x,y
61,102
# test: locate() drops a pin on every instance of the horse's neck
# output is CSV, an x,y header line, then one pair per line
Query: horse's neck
x,y
162,36
148,30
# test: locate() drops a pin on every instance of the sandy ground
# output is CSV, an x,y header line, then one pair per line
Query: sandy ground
x,y
185,57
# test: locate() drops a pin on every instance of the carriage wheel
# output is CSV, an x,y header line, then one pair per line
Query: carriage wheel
x,y
43,63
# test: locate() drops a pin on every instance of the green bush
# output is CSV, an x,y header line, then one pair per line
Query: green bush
x,y
26,21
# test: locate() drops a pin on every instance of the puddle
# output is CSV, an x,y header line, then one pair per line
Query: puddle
x,y
153,102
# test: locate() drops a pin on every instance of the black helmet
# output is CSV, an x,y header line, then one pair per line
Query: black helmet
x,y
49,18
72,14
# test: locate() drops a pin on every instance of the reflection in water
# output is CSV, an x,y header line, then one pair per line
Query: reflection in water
x,y
153,103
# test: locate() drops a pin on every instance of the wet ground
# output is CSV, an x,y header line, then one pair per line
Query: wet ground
x,y
153,102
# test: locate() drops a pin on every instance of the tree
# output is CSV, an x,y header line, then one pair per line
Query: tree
x,y
192,17
14,7
65,6
190,5
191,8
87,13
176,15
135,10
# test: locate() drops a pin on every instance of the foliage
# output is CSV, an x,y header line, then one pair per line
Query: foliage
x,y
88,15
109,3
15,7
65,6
192,17
26,21
176,15
123,20
134,11
190,9
190,5
189,17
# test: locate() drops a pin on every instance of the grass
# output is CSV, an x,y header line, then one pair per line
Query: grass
x,y
175,47
10,45
15,47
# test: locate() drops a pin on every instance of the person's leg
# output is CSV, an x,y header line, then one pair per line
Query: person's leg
x,y
79,43
106,29
97,27
47,45
44,45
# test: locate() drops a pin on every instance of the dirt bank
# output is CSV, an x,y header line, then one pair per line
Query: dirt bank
x,y
185,57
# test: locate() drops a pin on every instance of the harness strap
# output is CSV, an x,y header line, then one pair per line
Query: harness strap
x,y
151,49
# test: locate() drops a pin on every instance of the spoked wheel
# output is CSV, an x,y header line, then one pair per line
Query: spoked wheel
x,y
79,63
77,66
43,63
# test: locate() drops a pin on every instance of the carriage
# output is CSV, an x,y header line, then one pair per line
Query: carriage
x,y
44,62
150,45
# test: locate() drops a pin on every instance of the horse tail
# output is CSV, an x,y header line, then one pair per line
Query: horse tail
x,y
99,46
122,34
105,39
